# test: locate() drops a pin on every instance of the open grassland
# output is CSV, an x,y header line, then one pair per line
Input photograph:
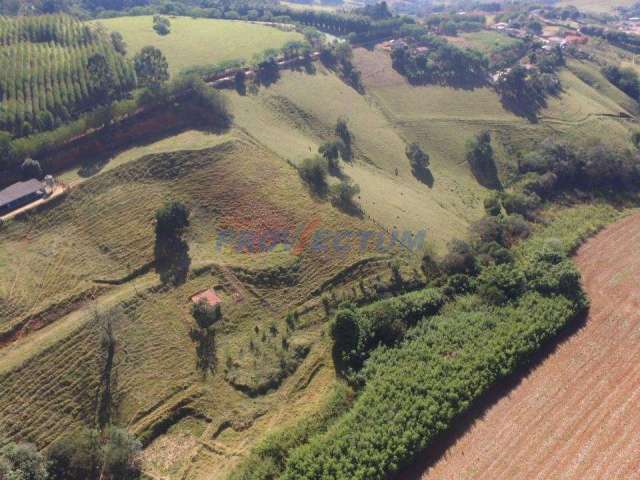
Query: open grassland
x,y
199,41
486,41
573,416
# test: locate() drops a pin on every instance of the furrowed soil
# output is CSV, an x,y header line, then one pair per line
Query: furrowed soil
x,y
575,415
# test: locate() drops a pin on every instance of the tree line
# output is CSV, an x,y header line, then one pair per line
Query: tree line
x,y
431,59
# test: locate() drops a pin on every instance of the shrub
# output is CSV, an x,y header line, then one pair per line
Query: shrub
x,y
497,253
516,228
342,195
480,159
22,461
171,252
314,173
520,203
161,25
542,185
31,169
492,206
499,284
488,229
459,259
459,285
204,314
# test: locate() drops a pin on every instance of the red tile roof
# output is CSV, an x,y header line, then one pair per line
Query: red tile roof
x,y
210,296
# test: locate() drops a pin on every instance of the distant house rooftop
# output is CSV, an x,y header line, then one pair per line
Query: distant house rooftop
x,y
20,194
210,296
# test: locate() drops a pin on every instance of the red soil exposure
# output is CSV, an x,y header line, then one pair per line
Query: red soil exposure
x,y
575,416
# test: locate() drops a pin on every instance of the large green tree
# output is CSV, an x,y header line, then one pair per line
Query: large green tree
x,y
22,461
151,67
103,80
172,259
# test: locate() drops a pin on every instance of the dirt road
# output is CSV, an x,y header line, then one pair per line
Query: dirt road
x,y
577,415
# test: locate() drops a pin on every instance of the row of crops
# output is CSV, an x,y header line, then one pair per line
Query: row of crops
x,y
60,29
44,80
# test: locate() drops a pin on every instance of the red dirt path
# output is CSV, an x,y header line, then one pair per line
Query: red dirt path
x,y
577,415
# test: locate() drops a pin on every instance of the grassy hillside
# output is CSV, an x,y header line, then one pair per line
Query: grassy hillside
x,y
293,122
199,41
442,119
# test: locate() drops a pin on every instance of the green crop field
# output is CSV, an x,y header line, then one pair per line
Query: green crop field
x,y
199,41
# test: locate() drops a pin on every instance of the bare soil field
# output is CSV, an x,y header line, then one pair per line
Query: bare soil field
x,y
574,416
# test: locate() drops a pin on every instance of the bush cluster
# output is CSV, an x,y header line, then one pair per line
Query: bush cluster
x,y
430,59
358,331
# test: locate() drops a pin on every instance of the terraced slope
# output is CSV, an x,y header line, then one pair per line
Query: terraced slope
x,y
574,416
262,368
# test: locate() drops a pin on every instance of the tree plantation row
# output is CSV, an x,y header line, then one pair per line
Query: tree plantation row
x,y
60,29
45,83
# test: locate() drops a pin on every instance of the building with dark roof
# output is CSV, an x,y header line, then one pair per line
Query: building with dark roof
x,y
20,194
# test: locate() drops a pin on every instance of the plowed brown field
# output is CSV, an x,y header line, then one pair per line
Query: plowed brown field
x,y
577,415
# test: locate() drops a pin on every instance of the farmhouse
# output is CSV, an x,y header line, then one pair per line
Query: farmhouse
x,y
20,194
209,296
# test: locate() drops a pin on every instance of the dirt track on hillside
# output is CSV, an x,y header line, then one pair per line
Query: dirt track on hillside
x,y
575,416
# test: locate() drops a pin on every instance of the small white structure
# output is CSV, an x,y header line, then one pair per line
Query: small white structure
x,y
49,184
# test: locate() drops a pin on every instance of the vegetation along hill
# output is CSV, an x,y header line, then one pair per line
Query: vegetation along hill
x,y
313,241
